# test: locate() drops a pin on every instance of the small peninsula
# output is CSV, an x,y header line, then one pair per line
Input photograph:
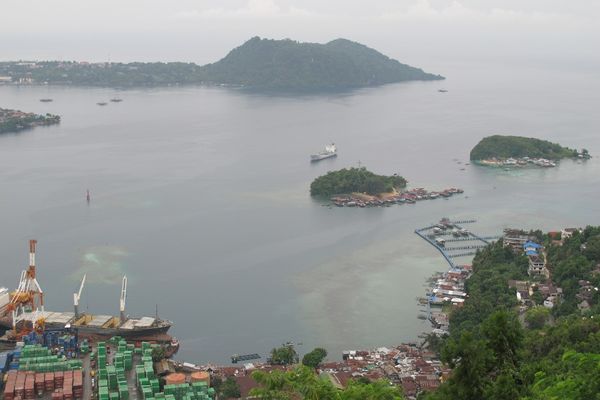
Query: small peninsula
x,y
500,150
257,64
14,120
359,187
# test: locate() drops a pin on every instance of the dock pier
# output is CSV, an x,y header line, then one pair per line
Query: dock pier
x,y
450,253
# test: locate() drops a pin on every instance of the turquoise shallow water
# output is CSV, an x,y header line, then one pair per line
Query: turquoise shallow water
x,y
200,195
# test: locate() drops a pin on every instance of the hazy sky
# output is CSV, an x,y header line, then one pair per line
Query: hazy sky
x,y
419,32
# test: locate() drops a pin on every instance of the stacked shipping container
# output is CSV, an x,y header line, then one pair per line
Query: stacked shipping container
x,y
29,385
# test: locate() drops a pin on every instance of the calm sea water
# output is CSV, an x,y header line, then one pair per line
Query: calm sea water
x,y
200,196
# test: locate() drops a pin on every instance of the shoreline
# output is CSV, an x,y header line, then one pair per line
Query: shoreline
x,y
363,200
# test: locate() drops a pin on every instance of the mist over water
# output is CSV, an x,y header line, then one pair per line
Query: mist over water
x,y
200,196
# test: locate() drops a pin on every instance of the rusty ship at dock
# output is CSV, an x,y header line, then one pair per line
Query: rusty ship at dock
x,y
22,311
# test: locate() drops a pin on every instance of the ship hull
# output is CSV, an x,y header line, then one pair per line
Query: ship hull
x,y
319,157
6,323
124,333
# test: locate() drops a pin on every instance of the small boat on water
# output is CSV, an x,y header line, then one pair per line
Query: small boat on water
x,y
116,100
45,100
102,103
330,151
442,90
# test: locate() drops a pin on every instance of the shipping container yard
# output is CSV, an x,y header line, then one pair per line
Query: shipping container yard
x,y
73,355
65,369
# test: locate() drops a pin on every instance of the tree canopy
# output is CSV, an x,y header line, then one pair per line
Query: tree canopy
x,y
502,147
495,357
284,355
314,358
303,383
345,181
15,121
288,64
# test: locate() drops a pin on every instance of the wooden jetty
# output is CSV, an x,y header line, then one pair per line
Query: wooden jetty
x,y
246,357
449,253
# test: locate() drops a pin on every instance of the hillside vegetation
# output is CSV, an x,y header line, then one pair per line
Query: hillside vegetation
x,y
287,64
493,354
258,63
355,180
499,146
14,120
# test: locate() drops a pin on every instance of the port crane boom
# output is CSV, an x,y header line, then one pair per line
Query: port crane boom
x,y
123,299
77,297
29,294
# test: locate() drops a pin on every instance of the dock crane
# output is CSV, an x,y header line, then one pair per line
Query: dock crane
x,y
77,297
123,299
29,294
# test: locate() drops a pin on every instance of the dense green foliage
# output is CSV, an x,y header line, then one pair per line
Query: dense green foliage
x,y
105,74
499,146
158,353
314,358
353,180
284,355
576,376
494,357
536,317
303,383
258,63
10,123
287,64
572,262
488,287
230,388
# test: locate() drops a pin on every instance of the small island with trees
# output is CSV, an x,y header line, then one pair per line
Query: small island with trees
x,y
514,151
359,187
14,120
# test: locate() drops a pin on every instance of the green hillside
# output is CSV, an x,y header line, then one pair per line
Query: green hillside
x,y
355,180
287,64
499,146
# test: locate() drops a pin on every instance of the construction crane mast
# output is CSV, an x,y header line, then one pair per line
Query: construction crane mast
x,y
77,297
123,299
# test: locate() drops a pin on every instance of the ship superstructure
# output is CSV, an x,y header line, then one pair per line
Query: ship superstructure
x,y
329,151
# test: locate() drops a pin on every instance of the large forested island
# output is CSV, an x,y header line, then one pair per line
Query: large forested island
x,y
499,147
355,180
258,63
287,64
15,120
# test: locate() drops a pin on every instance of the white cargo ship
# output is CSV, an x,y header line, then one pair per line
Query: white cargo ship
x,y
330,151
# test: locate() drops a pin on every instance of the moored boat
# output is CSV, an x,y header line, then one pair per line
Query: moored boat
x,y
23,311
329,151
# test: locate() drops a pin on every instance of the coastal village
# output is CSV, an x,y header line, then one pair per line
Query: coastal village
x,y
518,162
387,199
63,366
15,120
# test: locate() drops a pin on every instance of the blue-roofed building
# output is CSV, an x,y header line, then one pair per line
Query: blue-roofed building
x,y
532,245
531,248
